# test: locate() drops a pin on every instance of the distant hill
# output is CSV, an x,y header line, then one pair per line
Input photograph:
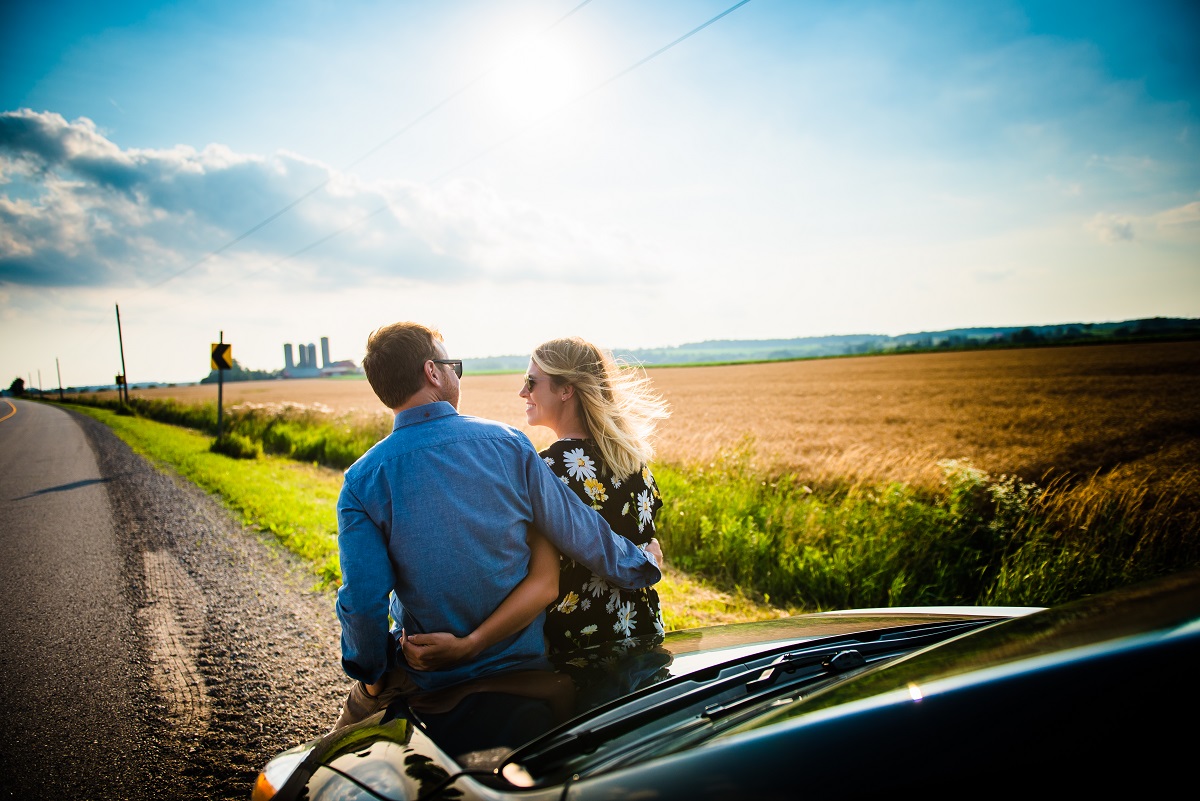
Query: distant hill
x,y
746,350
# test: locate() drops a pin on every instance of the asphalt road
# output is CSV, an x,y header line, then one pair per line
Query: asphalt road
x,y
69,647
150,646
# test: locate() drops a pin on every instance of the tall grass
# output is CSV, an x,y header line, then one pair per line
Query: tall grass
x,y
975,539
309,433
1096,534
830,541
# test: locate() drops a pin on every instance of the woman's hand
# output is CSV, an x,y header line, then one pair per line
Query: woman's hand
x,y
653,547
436,651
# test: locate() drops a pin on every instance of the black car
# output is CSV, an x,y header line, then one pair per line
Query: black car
x,y
1097,696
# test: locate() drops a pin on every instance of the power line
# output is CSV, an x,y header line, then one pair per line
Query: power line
x,y
387,141
587,93
491,149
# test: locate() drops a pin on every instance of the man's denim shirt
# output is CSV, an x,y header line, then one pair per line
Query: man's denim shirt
x,y
438,512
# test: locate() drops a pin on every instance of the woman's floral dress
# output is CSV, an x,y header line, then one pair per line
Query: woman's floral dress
x,y
589,610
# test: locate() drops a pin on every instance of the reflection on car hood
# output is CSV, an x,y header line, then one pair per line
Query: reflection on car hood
x,y
478,722
1163,609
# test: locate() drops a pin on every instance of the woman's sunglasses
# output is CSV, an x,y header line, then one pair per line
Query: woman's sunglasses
x,y
529,382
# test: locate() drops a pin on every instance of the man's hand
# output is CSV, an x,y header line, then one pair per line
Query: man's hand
x,y
436,651
654,548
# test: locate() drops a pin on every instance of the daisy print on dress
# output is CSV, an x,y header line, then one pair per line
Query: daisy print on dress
x,y
589,610
595,491
645,509
568,604
626,616
614,600
549,460
579,464
597,586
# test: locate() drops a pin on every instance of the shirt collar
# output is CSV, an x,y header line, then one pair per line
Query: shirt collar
x,y
423,413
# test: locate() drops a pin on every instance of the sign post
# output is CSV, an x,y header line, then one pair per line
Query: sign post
x,y
222,360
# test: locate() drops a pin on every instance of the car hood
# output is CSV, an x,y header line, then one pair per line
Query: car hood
x,y
473,728
474,725
1133,616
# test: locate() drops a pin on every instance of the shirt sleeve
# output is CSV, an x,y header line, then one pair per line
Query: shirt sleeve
x,y
362,600
581,533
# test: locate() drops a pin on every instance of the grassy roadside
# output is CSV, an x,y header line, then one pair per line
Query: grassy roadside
x,y
296,503
817,541
293,501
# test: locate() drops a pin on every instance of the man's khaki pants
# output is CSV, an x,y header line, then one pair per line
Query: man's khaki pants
x,y
360,705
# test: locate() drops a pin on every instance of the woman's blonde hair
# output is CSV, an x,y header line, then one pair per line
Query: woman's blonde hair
x,y
617,405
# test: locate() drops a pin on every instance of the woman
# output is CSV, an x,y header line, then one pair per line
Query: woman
x,y
604,417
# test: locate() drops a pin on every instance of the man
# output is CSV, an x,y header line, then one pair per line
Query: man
x,y
439,514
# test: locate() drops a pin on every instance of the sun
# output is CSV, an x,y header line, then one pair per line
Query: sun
x,y
534,80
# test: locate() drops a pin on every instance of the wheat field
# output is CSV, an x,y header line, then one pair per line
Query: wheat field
x,y
1128,414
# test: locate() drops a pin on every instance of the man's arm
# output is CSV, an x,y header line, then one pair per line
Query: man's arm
x,y
362,600
581,533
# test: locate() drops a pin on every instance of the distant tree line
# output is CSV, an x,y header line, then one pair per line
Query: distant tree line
x,y
1157,328
746,350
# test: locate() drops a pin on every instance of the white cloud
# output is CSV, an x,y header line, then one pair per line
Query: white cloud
x,y
1185,216
1180,222
79,211
1111,228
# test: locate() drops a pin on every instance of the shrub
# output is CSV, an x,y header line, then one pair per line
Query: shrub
x,y
975,539
237,446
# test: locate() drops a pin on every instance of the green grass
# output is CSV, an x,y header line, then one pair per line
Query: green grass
x,y
978,539
300,433
295,502
747,544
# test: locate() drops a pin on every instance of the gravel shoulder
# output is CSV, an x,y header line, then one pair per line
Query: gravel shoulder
x,y
241,653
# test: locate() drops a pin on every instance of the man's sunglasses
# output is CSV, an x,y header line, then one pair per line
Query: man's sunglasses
x,y
455,364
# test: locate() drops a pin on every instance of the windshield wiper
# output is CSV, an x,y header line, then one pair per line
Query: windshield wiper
x,y
829,657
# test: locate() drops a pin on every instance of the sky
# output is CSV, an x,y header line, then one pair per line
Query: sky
x,y
515,170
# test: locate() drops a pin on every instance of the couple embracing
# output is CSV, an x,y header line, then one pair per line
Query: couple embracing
x,y
483,552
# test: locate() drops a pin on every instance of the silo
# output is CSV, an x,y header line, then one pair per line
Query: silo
x,y
312,355
324,351
287,356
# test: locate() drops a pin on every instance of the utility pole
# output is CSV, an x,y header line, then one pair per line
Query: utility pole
x,y
41,392
125,375
59,369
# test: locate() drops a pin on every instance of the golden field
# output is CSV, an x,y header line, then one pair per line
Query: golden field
x,y
1127,414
